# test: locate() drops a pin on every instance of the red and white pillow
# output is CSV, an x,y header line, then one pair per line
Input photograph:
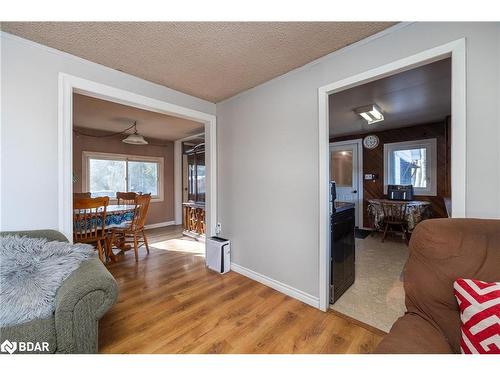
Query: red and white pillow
x,y
479,304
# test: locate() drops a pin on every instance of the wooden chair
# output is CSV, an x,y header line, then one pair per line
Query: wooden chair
x,y
134,232
89,222
81,195
126,198
395,217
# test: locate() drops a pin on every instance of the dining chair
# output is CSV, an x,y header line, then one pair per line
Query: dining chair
x,y
133,232
89,222
126,198
81,195
395,217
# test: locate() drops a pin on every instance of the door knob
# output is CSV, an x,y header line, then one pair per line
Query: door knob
x,y
354,191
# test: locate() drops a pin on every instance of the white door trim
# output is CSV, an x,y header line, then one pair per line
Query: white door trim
x,y
178,176
69,84
359,144
457,51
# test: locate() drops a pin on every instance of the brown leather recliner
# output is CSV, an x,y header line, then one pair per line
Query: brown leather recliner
x,y
441,251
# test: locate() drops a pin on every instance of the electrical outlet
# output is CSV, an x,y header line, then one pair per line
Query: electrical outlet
x,y
371,176
218,228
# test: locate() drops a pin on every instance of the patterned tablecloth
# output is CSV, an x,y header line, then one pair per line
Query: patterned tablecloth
x,y
416,211
118,218
115,216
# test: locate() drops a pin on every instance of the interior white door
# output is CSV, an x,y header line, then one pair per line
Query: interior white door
x,y
344,170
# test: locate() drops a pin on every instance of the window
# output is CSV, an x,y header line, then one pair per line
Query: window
x,y
105,174
411,163
341,168
143,177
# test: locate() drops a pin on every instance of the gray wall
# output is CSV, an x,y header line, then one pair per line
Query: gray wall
x,y
29,154
268,148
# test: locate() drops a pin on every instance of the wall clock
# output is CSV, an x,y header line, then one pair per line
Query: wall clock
x,y
371,141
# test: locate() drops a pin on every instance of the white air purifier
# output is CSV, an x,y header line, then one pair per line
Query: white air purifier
x,y
218,254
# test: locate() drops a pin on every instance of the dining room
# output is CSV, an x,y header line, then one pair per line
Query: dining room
x,y
390,157
124,181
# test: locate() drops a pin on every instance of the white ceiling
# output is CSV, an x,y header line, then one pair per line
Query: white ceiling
x,y
417,96
97,114
210,60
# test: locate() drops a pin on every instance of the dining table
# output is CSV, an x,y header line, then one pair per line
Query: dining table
x,y
416,211
116,216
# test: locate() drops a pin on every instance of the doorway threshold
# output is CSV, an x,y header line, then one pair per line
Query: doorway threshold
x,y
357,322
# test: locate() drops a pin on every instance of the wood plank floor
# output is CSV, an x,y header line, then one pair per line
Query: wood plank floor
x,y
170,303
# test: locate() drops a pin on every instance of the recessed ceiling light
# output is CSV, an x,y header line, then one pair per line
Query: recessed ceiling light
x,y
371,113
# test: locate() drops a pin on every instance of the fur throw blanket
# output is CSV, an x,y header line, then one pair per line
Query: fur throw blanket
x,y
31,271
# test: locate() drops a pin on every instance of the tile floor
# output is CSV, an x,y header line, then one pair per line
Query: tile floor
x,y
377,296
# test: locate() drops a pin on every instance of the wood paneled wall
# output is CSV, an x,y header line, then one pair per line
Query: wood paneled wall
x,y
373,162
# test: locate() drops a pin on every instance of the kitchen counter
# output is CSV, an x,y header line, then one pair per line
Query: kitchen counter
x,y
342,206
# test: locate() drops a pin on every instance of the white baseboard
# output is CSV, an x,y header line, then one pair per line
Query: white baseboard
x,y
159,225
277,285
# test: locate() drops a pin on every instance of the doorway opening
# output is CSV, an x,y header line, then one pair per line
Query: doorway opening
x,y
193,186
346,169
408,161
134,168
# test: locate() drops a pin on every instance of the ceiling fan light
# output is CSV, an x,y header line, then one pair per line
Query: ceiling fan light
x,y
136,138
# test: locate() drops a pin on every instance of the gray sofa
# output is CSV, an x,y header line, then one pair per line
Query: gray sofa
x,y
82,299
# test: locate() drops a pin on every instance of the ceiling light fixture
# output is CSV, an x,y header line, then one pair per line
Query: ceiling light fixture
x,y
371,113
136,138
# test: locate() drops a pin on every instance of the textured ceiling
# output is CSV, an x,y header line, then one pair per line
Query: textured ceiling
x,y
97,114
416,96
210,60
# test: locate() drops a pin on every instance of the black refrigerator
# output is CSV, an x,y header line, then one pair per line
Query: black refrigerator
x,y
342,245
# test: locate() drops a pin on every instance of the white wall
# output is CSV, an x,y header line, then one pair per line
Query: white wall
x,y
29,104
268,148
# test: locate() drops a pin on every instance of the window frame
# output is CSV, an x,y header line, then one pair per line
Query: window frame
x,y
87,155
431,163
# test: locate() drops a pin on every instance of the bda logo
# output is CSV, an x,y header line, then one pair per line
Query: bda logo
x,y
8,346
24,346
